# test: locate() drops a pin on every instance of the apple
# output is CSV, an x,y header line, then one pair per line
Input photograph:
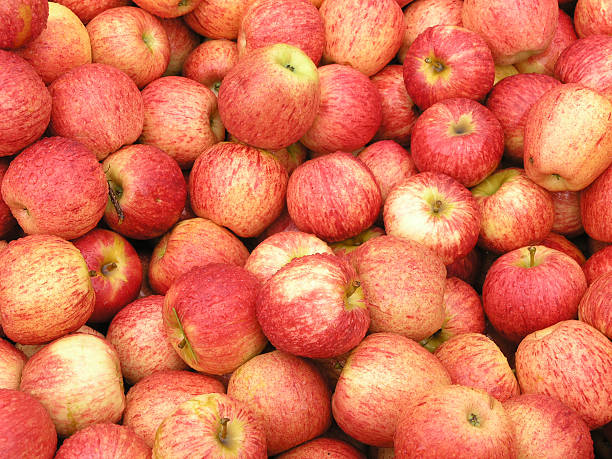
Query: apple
x,y
132,40
168,8
593,17
365,35
147,191
422,14
30,349
180,118
210,61
545,61
289,396
568,220
323,447
104,439
26,104
21,21
398,110
436,210
460,138
447,62
452,419
594,207
217,18
78,380
344,90
542,423
294,22
12,361
334,197
403,286
510,101
209,317
182,42
599,263
595,307
561,243
466,268
104,96
156,396
532,288
86,10
26,429
572,362
190,243
597,75
381,376
8,224
45,289
515,211
514,31
277,250
275,114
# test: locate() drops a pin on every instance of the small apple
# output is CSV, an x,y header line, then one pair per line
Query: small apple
x,y
572,68
217,18
182,42
210,61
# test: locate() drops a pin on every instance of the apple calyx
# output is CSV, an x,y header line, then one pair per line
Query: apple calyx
x,y
354,296
437,206
474,420
223,430
114,194
463,126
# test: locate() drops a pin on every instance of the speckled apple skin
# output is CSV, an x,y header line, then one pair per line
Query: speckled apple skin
x,y
466,268
97,105
182,42
330,448
593,17
572,362
595,308
78,380
25,104
168,8
561,243
599,263
595,209
597,75
21,21
210,61
568,220
45,290
12,361
104,440
217,18
86,10
7,221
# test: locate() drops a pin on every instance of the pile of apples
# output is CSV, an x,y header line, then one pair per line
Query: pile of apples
x,y
306,229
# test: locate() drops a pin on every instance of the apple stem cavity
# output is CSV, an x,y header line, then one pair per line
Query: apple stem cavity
x,y
532,251
223,432
113,195
290,67
437,65
109,267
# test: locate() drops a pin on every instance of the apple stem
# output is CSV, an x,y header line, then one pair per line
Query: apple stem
x,y
115,201
182,343
437,206
532,251
223,432
437,65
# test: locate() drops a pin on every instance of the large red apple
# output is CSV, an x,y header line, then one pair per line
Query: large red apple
x,y
595,209
21,21
209,62
599,263
571,66
595,307
182,42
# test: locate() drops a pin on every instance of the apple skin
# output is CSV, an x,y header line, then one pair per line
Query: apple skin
x,y
270,98
8,224
399,113
515,211
193,242
217,18
593,17
115,271
599,263
363,34
460,138
545,61
435,210
104,440
321,296
480,427
422,14
131,40
514,31
474,360
26,428
466,268
26,104
561,243
107,98
78,380
45,289
570,66
403,284
568,220
30,349
209,317
181,118
12,361
323,447
381,376
595,209
195,429
21,22
168,8
156,396
277,250
348,247
295,22
182,42
520,297
572,362
149,189
210,61
349,114
542,423
595,307
334,197
510,101
282,223
447,62
86,10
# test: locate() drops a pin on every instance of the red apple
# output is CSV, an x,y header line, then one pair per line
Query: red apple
x,y
168,8
45,289
330,448
21,21
12,361
86,10
363,34
209,62
595,307
595,207
466,268
156,396
334,197
435,210
571,66
26,104
26,428
531,288
350,112
182,41
217,18
180,118
104,96
561,243
599,263
446,62
8,224
132,40
593,17
289,396
568,220
30,349
572,362
460,138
